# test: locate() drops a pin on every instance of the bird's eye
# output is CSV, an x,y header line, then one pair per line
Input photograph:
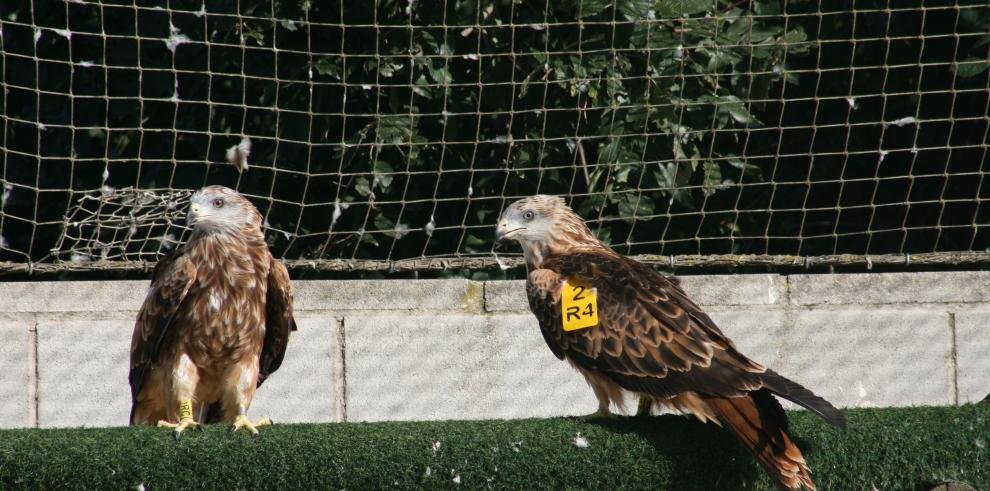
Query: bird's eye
x,y
218,203
528,215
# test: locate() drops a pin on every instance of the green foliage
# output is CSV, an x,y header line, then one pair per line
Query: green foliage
x,y
399,128
892,448
643,98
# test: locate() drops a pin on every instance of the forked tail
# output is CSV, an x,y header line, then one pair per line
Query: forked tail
x,y
760,424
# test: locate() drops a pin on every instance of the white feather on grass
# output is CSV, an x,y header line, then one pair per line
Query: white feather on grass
x,y
580,441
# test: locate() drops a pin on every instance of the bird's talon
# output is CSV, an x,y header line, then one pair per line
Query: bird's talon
x,y
181,426
242,421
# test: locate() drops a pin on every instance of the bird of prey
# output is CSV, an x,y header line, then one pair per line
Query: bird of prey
x,y
215,322
626,327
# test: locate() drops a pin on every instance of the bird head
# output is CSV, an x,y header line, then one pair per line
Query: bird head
x,y
542,224
218,208
529,219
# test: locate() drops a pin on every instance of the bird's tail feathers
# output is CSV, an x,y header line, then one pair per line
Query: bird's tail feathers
x,y
760,424
796,393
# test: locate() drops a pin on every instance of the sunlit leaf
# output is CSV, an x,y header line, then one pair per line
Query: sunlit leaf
x,y
636,206
712,178
680,8
362,186
970,67
750,171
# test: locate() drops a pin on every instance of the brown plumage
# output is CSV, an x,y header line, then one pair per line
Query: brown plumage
x,y
651,339
215,322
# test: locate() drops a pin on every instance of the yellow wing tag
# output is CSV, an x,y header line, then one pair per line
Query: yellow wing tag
x,y
579,305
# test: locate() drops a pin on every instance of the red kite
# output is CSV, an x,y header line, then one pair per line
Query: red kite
x,y
626,327
215,323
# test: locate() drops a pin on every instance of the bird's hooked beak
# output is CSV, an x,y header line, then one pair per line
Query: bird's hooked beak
x,y
193,215
504,231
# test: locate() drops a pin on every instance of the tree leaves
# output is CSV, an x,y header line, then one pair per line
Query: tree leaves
x,y
635,206
681,8
750,172
736,108
970,67
634,106
713,178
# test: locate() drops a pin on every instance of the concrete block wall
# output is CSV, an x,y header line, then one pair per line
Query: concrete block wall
x,y
372,350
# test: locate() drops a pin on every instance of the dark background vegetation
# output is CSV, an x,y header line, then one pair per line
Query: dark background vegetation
x,y
676,127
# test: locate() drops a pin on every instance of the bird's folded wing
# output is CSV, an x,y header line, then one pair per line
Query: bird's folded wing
x,y
279,321
650,337
170,283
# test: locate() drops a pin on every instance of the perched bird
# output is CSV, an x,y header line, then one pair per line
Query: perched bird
x,y
215,322
626,327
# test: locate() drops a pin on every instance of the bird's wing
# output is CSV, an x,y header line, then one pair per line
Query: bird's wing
x,y
279,321
650,336
543,288
170,283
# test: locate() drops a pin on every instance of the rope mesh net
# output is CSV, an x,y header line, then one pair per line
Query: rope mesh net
x,y
371,134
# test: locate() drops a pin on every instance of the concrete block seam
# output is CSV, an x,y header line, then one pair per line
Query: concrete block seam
x,y
340,371
952,360
786,301
771,289
32,362
484,297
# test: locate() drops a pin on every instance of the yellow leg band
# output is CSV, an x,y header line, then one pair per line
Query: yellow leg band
x,y
185,409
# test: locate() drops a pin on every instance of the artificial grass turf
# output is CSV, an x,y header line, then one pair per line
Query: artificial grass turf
x,y
891,448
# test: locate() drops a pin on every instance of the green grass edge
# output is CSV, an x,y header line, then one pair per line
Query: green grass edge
x,y
889,448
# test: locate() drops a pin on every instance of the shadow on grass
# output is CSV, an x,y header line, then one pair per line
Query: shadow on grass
x,y
681,439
